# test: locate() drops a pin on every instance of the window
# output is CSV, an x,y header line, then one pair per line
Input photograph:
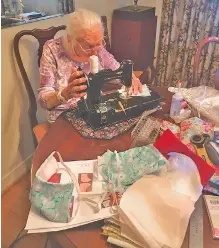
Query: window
x,y
15,12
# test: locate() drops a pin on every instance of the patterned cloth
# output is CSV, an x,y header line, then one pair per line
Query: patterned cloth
x,y
105,133
188,128
173,128
193,126
54,201
124,168
56,67
108,132
184,24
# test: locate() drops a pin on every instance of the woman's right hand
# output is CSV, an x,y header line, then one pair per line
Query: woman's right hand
x,y
73,89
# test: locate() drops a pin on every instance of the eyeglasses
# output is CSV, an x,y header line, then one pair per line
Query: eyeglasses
x,y
88,50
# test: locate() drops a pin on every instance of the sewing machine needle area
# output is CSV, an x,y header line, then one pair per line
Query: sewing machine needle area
x,y
100,110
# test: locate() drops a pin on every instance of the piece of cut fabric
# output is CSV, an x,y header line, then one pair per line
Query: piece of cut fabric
x,y
173,128
184,175
156,212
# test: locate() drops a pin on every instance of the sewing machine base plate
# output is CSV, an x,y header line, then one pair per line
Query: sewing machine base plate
x,y
109,111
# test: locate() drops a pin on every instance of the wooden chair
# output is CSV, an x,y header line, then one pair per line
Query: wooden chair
x,y
42,35
201,45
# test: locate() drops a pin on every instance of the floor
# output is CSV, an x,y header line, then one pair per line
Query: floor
x,y
15,208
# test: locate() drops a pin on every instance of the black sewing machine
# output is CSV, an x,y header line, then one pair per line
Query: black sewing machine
x,y
103,110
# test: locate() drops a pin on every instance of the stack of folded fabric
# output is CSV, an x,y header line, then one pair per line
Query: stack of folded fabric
x,y
112,230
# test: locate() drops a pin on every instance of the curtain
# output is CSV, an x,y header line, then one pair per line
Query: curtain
x,y
184,23
66,6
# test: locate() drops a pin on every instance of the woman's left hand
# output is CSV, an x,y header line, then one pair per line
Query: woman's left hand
x,y
136,86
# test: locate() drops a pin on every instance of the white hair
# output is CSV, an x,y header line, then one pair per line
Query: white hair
x,y
80,21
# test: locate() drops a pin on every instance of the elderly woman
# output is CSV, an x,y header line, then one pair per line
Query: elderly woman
x,y
59,83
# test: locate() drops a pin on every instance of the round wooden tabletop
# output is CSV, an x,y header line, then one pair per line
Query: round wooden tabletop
x,y
62,137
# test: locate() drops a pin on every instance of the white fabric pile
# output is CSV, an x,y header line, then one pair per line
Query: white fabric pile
x,y
156,209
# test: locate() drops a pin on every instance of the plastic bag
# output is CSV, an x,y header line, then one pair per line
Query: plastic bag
x,y
203,100
184,175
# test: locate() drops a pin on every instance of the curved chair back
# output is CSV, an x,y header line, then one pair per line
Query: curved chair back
x,y
42,35
197,57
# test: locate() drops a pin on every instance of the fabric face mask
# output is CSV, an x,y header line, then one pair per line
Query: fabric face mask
x,y
57,202
124,168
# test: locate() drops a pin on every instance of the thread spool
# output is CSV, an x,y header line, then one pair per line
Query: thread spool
x,y
94,65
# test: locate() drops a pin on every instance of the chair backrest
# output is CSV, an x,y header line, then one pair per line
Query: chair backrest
x,y
197,57
42,35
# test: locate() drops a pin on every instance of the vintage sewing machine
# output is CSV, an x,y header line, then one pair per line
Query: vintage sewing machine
x,y
103,110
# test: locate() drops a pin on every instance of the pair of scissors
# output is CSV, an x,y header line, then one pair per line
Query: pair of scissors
x,y
198,142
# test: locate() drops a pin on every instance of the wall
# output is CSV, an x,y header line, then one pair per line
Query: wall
x,y
17,143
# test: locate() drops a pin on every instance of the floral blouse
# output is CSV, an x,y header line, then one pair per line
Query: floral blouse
x,y
55,69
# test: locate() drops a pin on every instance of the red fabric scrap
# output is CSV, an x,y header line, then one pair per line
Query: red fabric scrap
x,y
55,178
169,143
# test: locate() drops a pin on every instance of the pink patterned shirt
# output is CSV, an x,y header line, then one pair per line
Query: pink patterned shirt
x,y
55,69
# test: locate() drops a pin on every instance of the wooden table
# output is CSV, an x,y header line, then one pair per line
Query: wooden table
x,y
63,138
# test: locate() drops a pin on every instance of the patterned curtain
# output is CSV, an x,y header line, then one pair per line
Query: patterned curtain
x,y
184,24
67,6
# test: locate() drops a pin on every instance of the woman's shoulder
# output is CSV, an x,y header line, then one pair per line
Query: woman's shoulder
x,y
103,54
54,47
102,51
53,44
